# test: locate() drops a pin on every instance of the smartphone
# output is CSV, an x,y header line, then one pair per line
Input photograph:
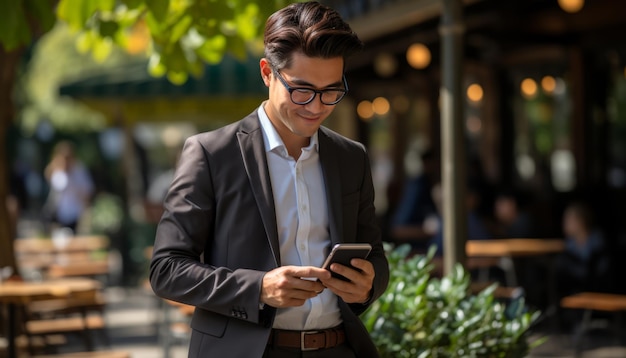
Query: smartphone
x,y
343,253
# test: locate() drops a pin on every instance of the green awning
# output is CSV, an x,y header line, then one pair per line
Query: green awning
x,y
228,78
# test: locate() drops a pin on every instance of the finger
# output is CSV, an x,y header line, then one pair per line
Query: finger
x,y
363,265
308,272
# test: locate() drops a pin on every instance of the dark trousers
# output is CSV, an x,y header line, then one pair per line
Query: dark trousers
x,y
341,351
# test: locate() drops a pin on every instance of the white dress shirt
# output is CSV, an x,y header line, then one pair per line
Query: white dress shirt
x,y
302,220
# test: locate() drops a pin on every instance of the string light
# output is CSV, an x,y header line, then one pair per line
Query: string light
x,y
418,56
571,6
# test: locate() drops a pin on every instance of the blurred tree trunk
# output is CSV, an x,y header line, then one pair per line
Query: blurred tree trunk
x,y
8,70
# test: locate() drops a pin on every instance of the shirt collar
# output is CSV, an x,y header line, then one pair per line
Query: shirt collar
x,y
272,138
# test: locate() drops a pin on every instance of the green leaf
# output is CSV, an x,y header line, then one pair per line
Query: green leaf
x,y
78,12
133,4
158,9
102,48
212,50
14,30
247,22
180,28
108,28
43,12
156,67
177,77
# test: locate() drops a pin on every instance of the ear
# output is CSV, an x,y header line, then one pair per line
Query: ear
x,y
266,71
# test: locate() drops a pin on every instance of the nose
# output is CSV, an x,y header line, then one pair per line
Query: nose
x,y
316,105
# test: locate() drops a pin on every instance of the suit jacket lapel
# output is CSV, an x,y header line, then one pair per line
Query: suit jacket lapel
x,y
253,153
332,181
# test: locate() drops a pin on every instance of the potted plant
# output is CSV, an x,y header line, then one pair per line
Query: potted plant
x,y
421,316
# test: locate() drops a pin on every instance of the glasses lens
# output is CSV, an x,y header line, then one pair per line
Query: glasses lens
x,y
302,95
332,96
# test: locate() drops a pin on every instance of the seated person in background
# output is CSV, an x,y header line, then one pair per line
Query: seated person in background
x,y
583,266
412,221
511,219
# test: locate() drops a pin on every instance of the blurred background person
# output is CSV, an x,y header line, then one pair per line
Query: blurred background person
x,y
416,218
584,264
511,219
71,188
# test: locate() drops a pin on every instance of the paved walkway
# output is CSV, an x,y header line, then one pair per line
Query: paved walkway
x,y
133,317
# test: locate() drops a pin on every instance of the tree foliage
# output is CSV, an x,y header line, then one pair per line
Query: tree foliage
x,y
180,36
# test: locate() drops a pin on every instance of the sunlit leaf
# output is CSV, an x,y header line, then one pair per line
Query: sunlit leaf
x,y
101,49
156,68
213,49
85,42
248,21
180,28
177,77
77,12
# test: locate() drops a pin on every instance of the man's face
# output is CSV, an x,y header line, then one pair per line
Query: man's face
x,y
297,123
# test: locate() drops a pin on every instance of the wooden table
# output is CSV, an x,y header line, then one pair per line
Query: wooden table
x,y
16,294
76,256
509,252
513,247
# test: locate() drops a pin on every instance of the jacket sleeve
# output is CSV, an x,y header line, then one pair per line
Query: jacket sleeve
x,y
177,269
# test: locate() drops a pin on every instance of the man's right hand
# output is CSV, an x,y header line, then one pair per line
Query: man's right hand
x,y
291,286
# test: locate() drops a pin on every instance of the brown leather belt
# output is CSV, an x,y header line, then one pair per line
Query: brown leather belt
x,y
307,340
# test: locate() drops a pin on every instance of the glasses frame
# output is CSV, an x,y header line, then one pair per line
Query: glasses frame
x,y
291,89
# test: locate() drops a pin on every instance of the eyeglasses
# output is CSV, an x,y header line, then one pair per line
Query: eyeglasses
x,y
305,95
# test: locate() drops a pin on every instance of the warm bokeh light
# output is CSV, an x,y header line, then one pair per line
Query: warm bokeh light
x,y
528,87
571,6
381,105
475,92
365,109
385,64
418,56
548,83
139,38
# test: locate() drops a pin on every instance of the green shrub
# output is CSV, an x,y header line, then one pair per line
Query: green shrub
x,y
423,316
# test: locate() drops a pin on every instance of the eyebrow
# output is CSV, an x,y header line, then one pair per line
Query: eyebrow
x,y
299,82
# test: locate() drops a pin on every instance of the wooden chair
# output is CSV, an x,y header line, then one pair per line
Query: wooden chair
x,y
95,354
589,302
81,315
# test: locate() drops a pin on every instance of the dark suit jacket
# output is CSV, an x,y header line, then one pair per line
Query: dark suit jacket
x,y
218,235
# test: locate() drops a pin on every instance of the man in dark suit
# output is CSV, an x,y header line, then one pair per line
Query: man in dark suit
x,y
255,206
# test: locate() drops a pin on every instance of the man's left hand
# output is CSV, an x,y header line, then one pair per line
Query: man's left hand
x,y
357,290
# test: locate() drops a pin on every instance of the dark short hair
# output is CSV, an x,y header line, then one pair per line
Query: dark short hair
x,y
311,28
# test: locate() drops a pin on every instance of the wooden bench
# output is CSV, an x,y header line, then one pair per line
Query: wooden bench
x,y
80,314
82,326
594,301
501,292
78,269
94,354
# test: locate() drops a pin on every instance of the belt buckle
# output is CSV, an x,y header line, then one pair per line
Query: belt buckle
x,y
304,334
